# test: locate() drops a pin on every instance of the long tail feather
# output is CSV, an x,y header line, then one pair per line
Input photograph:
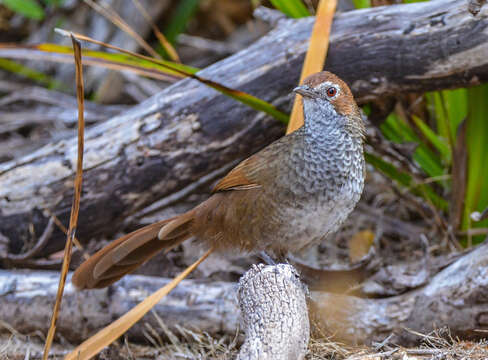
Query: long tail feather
x,y
127,253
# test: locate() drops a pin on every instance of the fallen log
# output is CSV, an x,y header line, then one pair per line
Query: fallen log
x,y
27,298
456,298
189,132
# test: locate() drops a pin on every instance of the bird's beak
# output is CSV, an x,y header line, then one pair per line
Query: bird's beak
x,y
305,91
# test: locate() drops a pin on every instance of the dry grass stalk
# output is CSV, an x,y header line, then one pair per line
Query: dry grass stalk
x,y
316,54
76,198
115,19
170,50
112,332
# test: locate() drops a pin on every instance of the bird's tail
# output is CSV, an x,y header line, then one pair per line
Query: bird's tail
x,y
127,253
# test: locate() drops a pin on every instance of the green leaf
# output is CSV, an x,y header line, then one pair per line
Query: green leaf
x,y
477,144
394,129
29,73
456,103
388,169
406,180
154,68
434,139
53,2
362,4
179,20
428,162
437,111
397,130
27,8
291,8
448,108
101,57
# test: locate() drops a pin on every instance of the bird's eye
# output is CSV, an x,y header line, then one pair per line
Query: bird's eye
x,y
331,91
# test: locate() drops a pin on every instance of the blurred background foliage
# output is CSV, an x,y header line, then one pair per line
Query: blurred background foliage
x,y
446,131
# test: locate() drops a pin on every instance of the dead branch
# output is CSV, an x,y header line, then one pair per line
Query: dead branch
x,y
26,300
188,131
456,298
274,313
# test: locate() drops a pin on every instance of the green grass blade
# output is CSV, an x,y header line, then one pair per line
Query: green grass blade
x,y
477,144
362,4
163,66
291,8
396,130
53,2
391,129
437,111
252,102
28,8
439,144
183,13
388,169
456,103
149,67
24,71
448,108
429,162
406,180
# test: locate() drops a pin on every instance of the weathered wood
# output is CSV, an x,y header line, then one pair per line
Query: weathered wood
x,y
27,297
170,142
456,297
274,313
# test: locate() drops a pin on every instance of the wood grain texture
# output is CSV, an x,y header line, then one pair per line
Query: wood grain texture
x,y
274,314
456,297
187,132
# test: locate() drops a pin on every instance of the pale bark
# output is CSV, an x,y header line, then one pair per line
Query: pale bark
x,y
274,314
27,298
456,297
188,132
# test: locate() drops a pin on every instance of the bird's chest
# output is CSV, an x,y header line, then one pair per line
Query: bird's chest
x,y
319,216
324,193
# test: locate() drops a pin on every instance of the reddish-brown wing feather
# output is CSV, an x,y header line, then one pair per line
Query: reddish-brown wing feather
x,y
237,178
259,169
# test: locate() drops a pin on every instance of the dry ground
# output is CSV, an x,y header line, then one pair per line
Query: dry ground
x,y
202,346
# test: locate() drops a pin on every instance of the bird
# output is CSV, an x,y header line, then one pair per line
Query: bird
x,y
290,195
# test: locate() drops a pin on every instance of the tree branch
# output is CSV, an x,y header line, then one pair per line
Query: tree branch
x,y
188,130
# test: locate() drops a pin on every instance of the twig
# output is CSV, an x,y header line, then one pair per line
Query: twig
x,y
75,208
115,19
41,243
162,39
60,225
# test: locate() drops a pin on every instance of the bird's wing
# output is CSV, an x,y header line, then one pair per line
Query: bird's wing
x,y
238,178
258,169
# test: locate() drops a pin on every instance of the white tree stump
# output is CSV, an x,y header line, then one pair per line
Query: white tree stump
x,y
274,314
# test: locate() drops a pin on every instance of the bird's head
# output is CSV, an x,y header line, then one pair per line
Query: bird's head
x,y
327,100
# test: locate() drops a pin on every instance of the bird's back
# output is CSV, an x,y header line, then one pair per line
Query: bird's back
x,y
304,191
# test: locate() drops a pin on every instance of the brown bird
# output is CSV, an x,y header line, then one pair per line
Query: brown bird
x,y
289,195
